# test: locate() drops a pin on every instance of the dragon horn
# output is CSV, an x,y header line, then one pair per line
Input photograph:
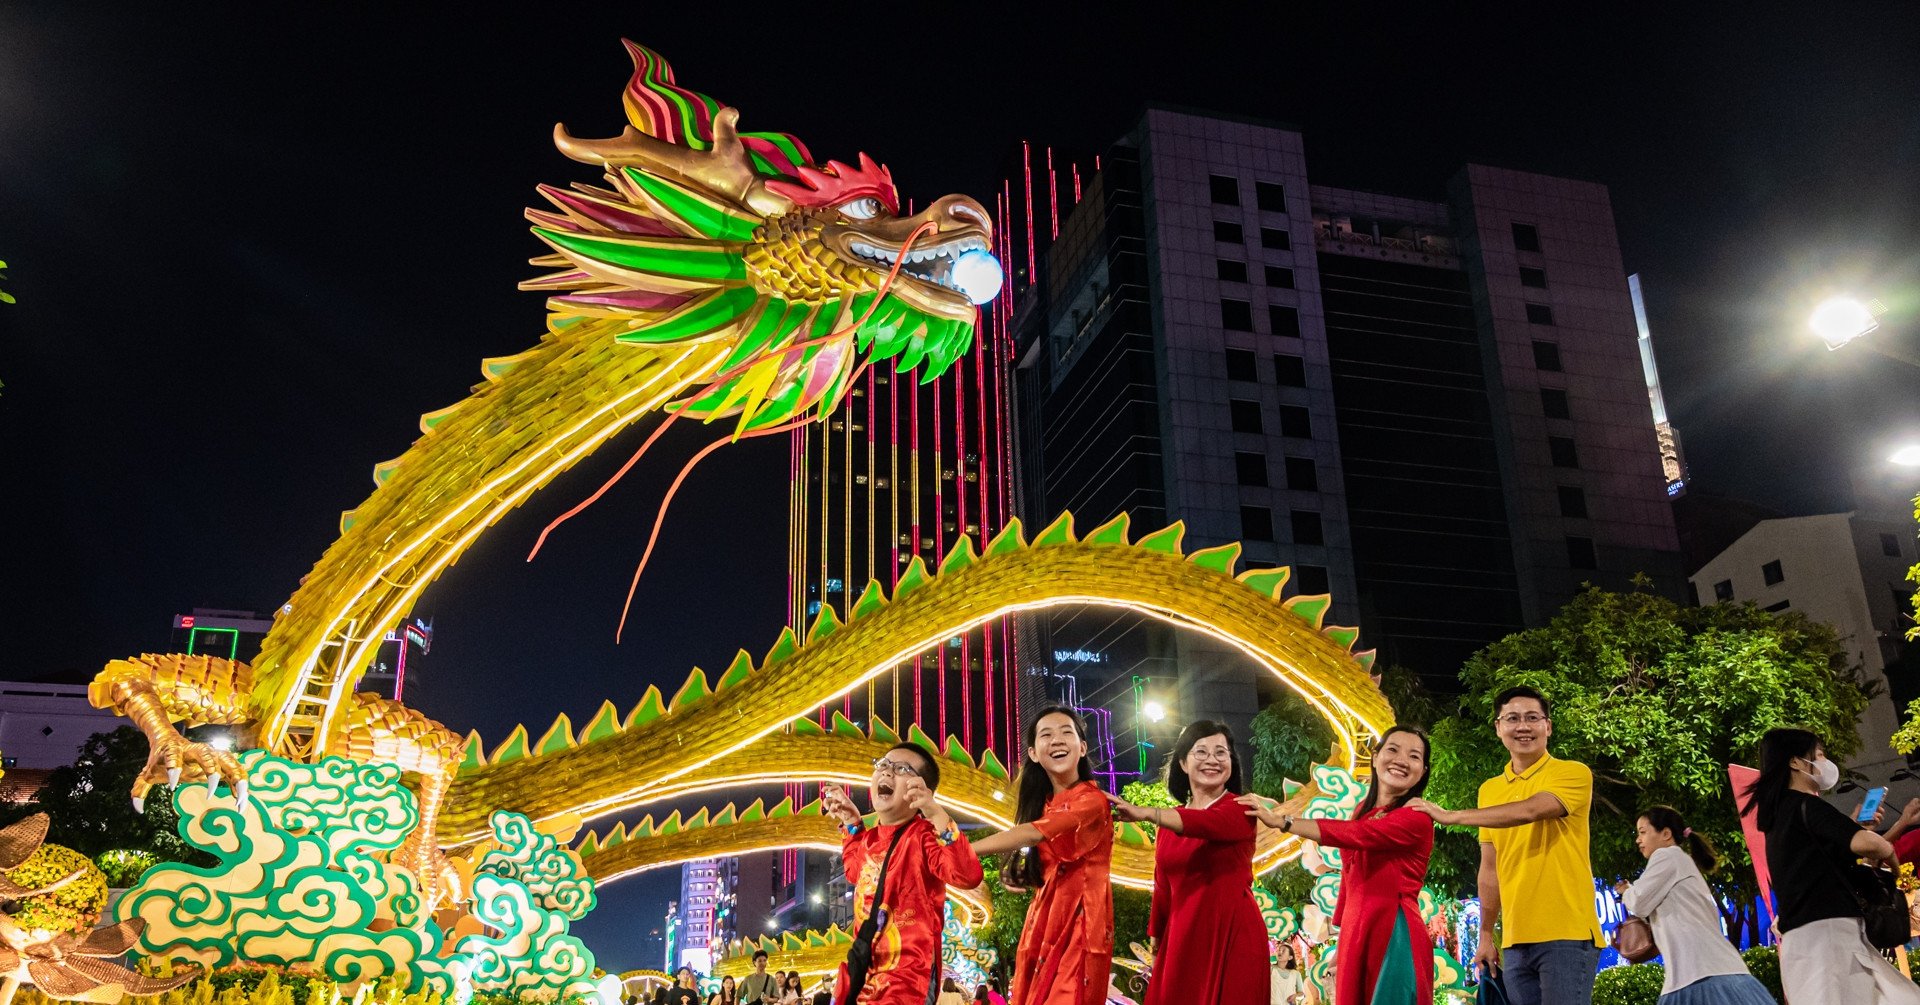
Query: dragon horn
x,y
726,170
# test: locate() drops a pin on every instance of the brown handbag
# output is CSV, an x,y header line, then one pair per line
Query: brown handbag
x,y
1633,940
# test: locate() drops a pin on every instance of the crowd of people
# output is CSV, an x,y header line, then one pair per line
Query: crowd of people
x,y
1540,937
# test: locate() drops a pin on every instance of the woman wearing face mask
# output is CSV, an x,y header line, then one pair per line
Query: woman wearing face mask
x,y
1702,967
1824,953
1210,945
1384,955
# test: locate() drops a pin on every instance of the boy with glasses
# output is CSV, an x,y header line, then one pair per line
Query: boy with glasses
x,y
1534,861
901,869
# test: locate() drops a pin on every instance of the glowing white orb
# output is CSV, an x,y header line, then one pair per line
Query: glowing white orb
x,y
1154,711
1907,456
1841,320
978,275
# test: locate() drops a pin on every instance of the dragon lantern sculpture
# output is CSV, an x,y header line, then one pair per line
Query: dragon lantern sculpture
x,y
717,274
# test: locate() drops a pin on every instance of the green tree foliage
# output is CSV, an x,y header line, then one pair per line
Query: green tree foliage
x,y
1908,738
90,811
1002,934
1289,738
1657,699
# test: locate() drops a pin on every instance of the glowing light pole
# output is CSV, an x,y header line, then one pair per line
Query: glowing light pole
x,y
1840,320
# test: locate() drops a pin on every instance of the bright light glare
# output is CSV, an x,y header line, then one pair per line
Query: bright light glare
x,y
1840,320
1907,456
220,741
978,275
1154,711
817,898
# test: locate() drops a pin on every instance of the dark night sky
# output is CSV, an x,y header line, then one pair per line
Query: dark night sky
x,y
249,250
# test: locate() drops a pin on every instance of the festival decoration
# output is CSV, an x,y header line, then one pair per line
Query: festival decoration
x,y
718,274
51,944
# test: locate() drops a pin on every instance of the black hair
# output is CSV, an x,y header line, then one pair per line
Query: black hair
x,y
759,954
1778,749
929,774
1522,691
1666,818
792,979
980,994
1293,955
1179,786
1426,770
1032,790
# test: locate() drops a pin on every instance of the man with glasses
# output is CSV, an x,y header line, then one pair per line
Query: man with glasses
x,y
900,870
1534,861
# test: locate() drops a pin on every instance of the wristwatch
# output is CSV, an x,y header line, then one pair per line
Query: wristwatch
x,y
1286,823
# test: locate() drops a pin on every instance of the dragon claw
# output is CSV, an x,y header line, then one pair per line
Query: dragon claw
x,y
139,804
173,776
240,790
213,783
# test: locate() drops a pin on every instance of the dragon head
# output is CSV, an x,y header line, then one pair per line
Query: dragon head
x,y
709,233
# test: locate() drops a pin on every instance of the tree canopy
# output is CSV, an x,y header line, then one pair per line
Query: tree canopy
x,y
1657,699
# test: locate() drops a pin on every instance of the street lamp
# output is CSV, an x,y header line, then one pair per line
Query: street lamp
x,y
1154,711
1907,456
1840,320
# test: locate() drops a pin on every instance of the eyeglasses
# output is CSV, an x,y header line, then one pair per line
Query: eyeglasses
x,y
1515,719
893,767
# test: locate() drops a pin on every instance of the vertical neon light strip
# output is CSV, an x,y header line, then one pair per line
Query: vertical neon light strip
x,y
984,450
913,492
893,516
1053,197
958,376
846,540
873,532
1076,184
939,550
1026,172
826,525
1007,312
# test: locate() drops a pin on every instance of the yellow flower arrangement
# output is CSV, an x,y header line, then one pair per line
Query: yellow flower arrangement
x,y
1907,881
75,907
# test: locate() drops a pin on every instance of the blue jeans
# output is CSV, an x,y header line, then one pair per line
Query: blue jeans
x,y
1550,973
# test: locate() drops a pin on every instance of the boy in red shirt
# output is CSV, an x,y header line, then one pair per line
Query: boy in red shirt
x,y
922,852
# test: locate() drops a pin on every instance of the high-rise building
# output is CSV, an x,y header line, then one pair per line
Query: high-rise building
x,y
1432,409
700,922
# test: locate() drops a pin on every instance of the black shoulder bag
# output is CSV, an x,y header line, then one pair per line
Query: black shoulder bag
x,y
860,954
1883,908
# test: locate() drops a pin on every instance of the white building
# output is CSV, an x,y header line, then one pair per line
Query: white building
x,y
1847,570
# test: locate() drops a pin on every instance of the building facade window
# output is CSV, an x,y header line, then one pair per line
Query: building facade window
x,y
1526,237
1890,545
1225,191
1271,196
1250,468
1256,523
1230,271
1772,574
1246,415
1285,320
1307,528
1279,277
1311,580
1723,590
1777,608
1275,238
1553,402
1573,501
1534,278
1539,314
1228,233
1302,474
1546,355
1563,452
1240,365
1295,422
1580,552
1236,315
1289,370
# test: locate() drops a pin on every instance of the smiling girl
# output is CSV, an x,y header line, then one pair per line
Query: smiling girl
x,y
1066,947
1210,945
1385,847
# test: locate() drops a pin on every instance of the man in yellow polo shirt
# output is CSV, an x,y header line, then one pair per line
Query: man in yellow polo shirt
x,y
1534,861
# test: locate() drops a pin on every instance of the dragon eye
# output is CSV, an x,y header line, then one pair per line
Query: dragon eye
x,y
861,209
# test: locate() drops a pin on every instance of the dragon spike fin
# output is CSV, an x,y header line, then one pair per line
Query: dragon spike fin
x,y
920,739
1113,532
433,419
783,647
956,751
872,599
1011,538
558,737
1166,540
958,557
1366,659
1060,531
671,825
383,471
783,808
881,732
804,726
513,748
495,367
913,577
1220,559
1342,636
990,763
698,820
737,672
694,689
604,724
842,726
755,811
651,707
474,755
1266,581
616,836
1311,609
727,815
588,845
824,624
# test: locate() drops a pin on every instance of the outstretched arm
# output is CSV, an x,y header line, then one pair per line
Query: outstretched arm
x,y
1534,808
1015,837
